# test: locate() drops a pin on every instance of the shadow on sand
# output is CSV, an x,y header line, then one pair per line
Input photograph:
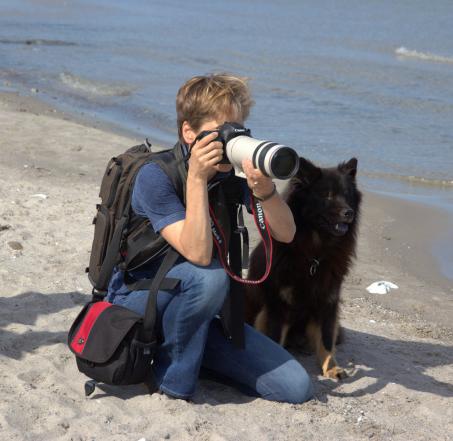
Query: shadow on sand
x,y
384,360
22,312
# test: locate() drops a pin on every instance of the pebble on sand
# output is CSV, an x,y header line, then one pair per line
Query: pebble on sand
x,y
17,246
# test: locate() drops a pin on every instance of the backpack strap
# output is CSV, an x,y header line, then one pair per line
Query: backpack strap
x,y
173,163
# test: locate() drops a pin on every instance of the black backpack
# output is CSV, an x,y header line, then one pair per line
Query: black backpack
x,y
122,238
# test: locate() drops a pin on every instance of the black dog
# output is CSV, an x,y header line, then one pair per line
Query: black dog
x,y
300,298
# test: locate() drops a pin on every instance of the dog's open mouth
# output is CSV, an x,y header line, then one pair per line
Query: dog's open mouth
x,y
334,228
340,229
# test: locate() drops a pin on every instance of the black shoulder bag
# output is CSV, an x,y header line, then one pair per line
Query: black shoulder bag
x,y
113,344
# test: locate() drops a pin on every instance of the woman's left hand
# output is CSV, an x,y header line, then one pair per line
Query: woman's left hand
x,y
260,184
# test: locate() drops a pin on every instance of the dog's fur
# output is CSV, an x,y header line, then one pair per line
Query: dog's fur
x,y
300,298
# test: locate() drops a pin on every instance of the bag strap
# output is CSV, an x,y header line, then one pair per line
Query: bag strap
x,y
149,320
168,283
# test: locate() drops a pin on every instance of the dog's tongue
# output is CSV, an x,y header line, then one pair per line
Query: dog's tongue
x,y
341,228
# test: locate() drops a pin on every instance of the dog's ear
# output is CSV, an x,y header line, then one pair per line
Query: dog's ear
x,y
349,168
308,172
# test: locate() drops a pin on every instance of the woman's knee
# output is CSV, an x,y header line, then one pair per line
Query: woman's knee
x,y
209,286
289,383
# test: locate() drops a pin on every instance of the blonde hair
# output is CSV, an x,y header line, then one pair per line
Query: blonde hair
x,y
209,97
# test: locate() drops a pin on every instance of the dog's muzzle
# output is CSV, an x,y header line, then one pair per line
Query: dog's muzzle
x,y
340,225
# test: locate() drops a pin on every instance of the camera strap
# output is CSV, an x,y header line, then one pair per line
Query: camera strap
x,y
222,247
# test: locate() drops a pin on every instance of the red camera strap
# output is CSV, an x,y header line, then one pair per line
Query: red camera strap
x,y
263,228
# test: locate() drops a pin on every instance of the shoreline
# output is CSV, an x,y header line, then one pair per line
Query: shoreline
x,y
15,100
425,191
397,348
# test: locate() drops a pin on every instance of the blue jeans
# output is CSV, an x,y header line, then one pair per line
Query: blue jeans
x,y
192,337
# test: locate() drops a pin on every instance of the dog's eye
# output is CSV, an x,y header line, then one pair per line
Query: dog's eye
x,y
326,194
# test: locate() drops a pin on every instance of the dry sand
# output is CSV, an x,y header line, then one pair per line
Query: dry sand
x,y
398,348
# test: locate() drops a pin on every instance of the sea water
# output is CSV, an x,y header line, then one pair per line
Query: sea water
x,y
333,79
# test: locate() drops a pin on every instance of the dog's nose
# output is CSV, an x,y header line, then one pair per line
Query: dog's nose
x,y
347,213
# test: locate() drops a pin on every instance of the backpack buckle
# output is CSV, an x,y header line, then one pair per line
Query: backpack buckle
x,y
97,296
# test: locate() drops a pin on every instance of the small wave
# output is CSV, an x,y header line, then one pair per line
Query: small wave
x,y
38,42
432,182
426,56
95,87
414,180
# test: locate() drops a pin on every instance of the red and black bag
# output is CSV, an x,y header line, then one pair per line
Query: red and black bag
x,y
115,345
106,341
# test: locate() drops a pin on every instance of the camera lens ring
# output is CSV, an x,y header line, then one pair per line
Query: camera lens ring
x,y
291,160
262,156
256,151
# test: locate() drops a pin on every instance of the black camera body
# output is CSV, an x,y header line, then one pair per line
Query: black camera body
x,y
226,132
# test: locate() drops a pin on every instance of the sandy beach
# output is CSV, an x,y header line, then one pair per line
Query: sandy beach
x,y
398,347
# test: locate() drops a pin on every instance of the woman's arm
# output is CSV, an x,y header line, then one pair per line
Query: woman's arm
x,y
192,237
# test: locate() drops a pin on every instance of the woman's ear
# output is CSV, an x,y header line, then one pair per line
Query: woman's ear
x,y
188,135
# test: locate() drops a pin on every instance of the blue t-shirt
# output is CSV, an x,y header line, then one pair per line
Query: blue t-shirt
x,y
155,198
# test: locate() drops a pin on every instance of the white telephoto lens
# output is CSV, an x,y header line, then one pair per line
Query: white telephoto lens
x,y
272,159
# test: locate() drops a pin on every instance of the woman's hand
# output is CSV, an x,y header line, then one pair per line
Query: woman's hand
x,y
260,184
204,155
279,216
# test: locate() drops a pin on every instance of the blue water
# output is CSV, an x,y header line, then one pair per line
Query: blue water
x,y
334,79
327,78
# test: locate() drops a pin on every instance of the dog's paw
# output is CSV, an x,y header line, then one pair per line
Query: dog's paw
x,y
336,373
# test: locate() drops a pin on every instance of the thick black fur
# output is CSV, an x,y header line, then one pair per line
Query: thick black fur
x,y
306,277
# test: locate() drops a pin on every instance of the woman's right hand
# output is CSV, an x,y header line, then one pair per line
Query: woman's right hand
x,y
204,155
